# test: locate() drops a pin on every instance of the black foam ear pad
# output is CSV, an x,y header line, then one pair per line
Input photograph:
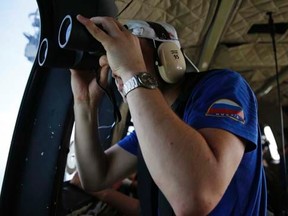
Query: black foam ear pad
x,y
160,31
172,65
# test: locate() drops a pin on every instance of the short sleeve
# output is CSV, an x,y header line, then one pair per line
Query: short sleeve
x,y
224,100
130,143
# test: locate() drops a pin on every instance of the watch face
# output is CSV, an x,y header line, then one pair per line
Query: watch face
x,y
148,80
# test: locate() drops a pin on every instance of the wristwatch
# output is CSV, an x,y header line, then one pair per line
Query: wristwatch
x,y
143,79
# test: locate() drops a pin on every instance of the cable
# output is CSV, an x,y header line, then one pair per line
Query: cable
x,y
272,32
107,126
111,96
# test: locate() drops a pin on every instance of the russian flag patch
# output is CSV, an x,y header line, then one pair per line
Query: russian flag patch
x,y
226,108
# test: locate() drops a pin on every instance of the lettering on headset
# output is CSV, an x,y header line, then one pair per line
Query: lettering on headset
x,y
175,54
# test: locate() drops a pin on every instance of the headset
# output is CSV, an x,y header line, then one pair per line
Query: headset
x,y
170,59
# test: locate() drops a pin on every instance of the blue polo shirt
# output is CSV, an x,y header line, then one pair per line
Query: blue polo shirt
x,y
224,100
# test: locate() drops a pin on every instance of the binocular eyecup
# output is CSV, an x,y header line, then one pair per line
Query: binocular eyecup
x,y
73,35
76,48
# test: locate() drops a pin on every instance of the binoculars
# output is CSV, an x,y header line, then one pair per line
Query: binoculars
x,y
76,48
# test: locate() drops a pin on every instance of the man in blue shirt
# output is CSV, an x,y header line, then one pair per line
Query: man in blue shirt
x,y
200,157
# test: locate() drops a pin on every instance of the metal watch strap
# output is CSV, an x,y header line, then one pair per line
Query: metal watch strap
x,y
143,79
131,84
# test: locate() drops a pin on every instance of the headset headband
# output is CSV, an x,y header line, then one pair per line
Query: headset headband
x,y
161,32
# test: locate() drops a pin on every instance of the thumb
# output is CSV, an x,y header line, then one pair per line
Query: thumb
x,y
104,70
103,61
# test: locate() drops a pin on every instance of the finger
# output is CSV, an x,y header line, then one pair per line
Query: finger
x,y
94,30
110,25
103,61
121,27
104,75
103,70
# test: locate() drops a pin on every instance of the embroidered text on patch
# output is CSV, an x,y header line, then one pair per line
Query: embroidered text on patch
x,y
226,108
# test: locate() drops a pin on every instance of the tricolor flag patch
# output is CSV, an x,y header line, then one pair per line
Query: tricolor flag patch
x,y
226,108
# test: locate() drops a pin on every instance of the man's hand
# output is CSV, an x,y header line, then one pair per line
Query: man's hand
x,y
123,49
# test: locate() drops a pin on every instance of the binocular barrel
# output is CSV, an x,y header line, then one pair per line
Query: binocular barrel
x,y
73,35
51,55
76,48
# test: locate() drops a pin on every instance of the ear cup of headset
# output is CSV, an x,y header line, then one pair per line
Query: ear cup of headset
x,y
172,64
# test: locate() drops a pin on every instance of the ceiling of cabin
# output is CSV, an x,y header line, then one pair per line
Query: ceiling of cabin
x,y
226,34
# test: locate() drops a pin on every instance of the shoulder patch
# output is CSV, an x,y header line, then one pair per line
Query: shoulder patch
x,y
226,108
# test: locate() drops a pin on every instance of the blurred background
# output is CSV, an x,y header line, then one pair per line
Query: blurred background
x,y
19,25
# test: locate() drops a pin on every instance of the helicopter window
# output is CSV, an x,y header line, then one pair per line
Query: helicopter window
x,y
20,29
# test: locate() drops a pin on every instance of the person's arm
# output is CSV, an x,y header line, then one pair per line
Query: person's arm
x,y
192,168
123,203
97,169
